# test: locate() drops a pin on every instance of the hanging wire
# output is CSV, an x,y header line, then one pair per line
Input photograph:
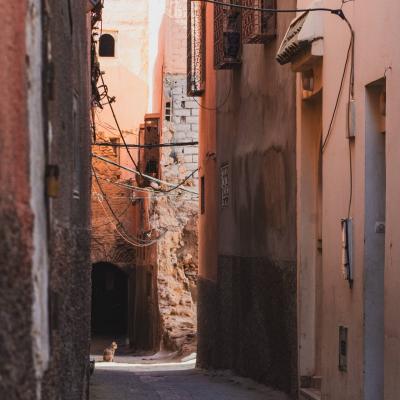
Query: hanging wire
x,y
119,227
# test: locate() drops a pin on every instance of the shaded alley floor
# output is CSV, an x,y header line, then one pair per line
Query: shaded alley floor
x,y
172,381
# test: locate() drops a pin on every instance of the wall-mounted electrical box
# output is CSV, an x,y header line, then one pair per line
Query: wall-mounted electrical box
x,y
347,250
351,110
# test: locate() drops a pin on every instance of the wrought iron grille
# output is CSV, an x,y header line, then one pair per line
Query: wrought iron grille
x,y
196,47
227,35
259,26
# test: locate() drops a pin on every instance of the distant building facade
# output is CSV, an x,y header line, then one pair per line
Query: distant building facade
x,y
142,50
44,202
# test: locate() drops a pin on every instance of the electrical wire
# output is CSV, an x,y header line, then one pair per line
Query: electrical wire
x,y
138,172
122,234
336,11
179,186
119,216
147,146
109,101
217,108
149,191
181,183
138,242
349,59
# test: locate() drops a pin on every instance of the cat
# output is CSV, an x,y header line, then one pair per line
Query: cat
x,y
109,352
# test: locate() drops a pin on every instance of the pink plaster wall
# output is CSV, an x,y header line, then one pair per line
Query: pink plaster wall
x,y
376,56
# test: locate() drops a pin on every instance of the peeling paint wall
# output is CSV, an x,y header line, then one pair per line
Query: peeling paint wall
x,y
43,339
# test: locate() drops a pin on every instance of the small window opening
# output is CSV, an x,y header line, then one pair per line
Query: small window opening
x,y
168,111
183,120
107,46
152,167
183,104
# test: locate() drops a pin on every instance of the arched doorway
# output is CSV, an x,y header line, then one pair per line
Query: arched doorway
x,y
109,301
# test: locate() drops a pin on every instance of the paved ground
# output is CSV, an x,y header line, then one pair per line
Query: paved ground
x,y
179,381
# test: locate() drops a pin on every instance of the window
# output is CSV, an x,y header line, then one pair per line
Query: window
x,y
195,48
225,186
152,167
168,111
258,26
107,46
227,36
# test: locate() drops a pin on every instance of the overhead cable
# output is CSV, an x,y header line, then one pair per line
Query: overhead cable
x,y
109,101
171,185
336,11
147,146
138,242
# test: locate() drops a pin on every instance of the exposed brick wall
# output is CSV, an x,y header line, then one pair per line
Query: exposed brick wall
x,y
107,244
183,126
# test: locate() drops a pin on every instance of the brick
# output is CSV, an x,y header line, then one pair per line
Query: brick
x,y
192,120
182,127
177,90
182,112
191,150
192,104
191,166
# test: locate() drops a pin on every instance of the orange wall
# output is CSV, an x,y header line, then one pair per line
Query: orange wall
x,y
208,244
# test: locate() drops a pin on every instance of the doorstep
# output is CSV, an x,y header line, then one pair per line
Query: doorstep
x,y
310,394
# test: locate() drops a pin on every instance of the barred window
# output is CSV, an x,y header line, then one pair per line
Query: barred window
x,y
196,47
225,186
227,35
259,26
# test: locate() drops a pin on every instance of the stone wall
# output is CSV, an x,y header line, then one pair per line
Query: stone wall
x,y
177,263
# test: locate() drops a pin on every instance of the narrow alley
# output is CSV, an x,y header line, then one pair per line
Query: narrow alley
x,y
199,200
174,382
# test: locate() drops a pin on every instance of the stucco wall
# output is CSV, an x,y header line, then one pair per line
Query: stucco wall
x,y
255,291
16,218
68,136
29,259
372,349
126,74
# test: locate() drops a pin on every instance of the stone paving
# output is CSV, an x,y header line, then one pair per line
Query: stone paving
x,y
172,382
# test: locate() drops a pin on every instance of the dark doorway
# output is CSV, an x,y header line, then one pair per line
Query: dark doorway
x,y
109,300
